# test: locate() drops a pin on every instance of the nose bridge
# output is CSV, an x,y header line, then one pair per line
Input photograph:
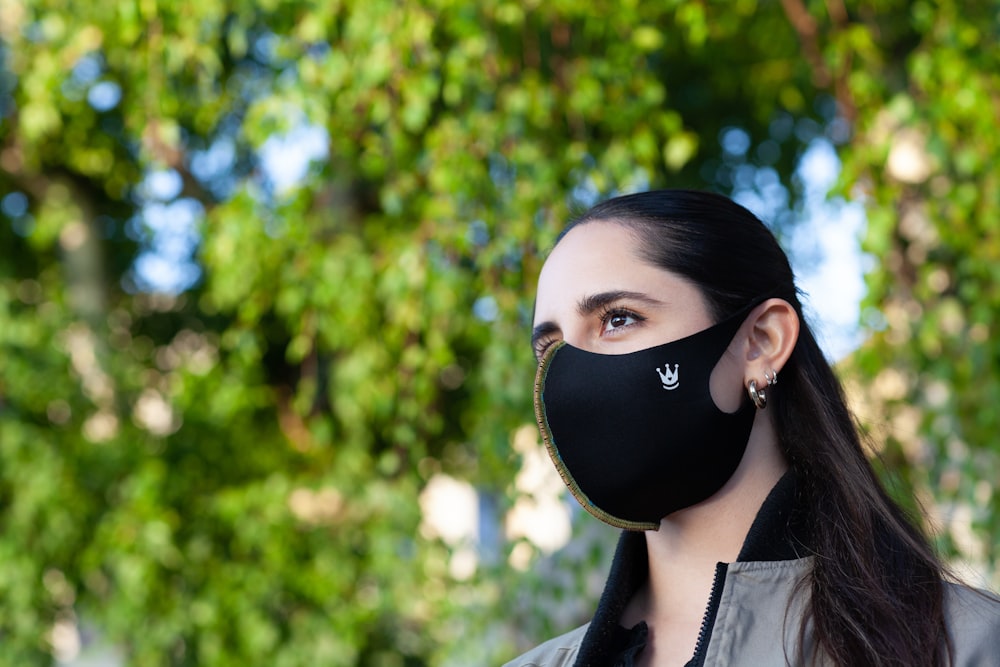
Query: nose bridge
x,y
575,331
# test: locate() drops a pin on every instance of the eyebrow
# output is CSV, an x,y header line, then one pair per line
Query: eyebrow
x,y
594,302
591,304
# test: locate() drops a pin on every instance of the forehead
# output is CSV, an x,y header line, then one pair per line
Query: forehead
x,y
595,243
598,257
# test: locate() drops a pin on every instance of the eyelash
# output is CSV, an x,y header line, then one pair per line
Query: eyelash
x,y
541,345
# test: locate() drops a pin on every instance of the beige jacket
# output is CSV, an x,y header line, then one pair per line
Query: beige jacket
x,y
751,629
754,613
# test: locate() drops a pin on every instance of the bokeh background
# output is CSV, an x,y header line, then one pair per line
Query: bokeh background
x,y
266,277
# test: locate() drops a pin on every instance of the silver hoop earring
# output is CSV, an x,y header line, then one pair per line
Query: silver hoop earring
x,y
758,397
772,378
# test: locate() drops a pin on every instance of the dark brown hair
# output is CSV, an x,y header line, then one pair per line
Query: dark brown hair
x,y
877,586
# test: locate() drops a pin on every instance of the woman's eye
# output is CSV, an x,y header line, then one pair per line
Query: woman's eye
x,y
619,320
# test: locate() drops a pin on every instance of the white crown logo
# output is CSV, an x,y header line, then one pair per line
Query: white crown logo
x,y
669,378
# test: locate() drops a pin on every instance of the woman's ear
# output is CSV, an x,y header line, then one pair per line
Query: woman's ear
x,y
772,329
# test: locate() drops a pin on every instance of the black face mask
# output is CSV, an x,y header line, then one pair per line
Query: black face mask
x,y
637,436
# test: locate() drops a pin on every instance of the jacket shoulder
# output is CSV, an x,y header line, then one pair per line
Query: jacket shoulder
x,y
558,652
973,619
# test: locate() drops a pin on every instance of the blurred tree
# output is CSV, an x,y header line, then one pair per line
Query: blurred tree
x,y
224,383
923,80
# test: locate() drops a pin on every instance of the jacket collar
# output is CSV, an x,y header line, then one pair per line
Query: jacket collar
x,y
778,532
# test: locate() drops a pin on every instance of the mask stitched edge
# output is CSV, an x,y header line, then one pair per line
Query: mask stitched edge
x,y
574,489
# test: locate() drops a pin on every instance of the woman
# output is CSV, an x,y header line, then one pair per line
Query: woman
x,y
756,532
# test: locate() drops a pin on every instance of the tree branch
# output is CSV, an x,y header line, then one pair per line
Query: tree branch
x,y
805,26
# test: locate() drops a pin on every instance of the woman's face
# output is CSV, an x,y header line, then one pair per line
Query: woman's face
x,y
598,294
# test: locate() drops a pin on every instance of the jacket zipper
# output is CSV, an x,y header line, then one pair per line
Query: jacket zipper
x,y
708,620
